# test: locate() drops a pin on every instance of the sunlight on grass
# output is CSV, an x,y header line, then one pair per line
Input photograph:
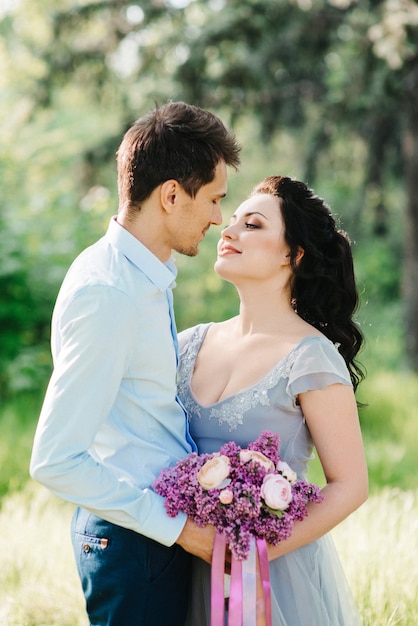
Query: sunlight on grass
x,y
39,586
378,546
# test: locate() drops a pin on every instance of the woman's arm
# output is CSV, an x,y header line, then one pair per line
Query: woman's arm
x,y
332,418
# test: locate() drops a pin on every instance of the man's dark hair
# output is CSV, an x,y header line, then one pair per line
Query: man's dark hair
x,y
175,141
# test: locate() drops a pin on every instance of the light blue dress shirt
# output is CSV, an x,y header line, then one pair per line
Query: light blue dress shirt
x,y
110,421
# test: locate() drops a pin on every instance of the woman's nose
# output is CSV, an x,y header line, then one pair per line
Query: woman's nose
x,y
228,232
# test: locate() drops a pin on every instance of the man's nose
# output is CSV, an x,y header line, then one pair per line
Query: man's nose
x,y
216,216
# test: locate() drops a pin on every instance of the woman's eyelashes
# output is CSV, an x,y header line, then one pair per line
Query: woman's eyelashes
x,y
250,226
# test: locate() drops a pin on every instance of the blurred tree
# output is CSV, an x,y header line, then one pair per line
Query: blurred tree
x,y
340,74
334,68
19,310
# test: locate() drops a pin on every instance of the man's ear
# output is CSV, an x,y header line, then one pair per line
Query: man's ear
x,y
169,191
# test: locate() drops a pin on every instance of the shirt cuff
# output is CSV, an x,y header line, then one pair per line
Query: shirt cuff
x,y
158,525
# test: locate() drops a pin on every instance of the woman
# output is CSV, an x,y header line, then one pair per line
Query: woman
x,y
285,363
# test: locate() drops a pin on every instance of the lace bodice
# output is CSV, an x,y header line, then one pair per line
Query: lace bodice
x,y
231,410
270,404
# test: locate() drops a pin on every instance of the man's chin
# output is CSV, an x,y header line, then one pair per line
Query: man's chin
x,y
191,251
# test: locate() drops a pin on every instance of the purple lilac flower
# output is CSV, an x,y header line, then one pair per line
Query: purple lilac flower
x,y
247,515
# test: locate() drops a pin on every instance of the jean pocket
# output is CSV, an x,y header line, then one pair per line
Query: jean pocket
x,y
89,545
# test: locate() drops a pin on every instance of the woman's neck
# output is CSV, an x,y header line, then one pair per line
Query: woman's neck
x,y
267,313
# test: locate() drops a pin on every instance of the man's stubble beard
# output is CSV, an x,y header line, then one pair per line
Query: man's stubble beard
x,y
189,251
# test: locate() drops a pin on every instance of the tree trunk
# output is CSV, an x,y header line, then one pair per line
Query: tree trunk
x,y
410,278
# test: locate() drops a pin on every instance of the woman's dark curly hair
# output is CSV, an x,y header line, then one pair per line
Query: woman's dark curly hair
x,y
323,291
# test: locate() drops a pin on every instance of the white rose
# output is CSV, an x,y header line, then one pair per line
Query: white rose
x,y
252,455
287,472
276,492
213,473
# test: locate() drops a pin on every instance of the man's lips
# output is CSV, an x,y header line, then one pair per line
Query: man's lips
x,y
226,249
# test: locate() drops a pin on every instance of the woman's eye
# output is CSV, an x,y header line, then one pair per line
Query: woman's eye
x,y
248,225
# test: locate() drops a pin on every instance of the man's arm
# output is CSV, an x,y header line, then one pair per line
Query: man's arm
x,y
93,349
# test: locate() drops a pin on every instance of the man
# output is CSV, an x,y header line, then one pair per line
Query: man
x,y
110,420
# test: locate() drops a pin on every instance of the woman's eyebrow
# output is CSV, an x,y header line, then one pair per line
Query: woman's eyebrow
x,y
249,214
256,213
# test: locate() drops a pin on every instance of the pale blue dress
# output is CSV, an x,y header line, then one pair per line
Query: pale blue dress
x,y
308,585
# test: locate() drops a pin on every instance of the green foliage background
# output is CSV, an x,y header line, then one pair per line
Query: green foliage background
x,y
319,90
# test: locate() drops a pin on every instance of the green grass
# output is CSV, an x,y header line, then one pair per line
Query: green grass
x,y
39,586
38,580
390,429
17,427
378,544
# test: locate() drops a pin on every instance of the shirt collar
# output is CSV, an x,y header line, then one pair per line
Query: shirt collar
x,y
163,275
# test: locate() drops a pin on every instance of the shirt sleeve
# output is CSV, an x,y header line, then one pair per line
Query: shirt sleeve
x,y
93,347
318,364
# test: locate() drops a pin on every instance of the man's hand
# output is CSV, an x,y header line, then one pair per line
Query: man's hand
x,y
198,541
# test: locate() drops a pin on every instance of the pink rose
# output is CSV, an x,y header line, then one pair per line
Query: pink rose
x,y
213,473
245,456
287,472
226,496
276,492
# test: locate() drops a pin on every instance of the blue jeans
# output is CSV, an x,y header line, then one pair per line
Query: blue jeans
x,y
128,579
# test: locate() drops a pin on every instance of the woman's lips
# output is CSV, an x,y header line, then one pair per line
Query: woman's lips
x,y
227,249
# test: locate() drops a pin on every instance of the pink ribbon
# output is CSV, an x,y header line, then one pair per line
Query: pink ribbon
x,y
249,587
235,594
242,602
217,606
265,578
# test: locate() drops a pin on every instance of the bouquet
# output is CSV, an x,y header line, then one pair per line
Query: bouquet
x,y
245,493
